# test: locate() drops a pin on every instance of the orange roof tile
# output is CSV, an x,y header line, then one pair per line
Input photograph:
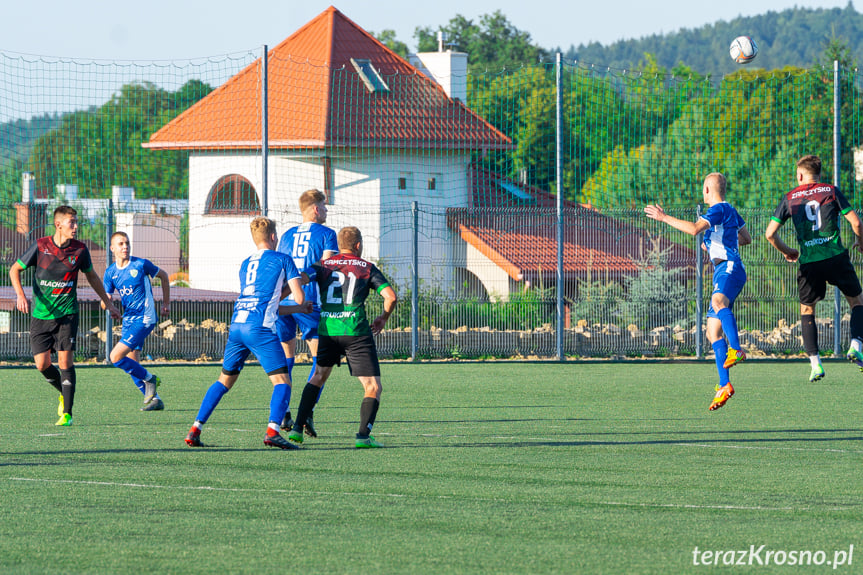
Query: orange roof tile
x,y
317,99
521,237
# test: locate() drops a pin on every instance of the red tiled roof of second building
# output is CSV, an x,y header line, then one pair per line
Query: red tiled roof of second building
x,y
316,98
519,235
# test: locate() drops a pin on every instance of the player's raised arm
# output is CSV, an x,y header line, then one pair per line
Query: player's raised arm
x,y
692,228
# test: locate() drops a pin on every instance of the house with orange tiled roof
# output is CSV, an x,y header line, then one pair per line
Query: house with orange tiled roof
x,y
346,115
350,117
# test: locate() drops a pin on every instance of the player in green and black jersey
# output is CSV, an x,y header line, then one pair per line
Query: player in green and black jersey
x,y
57,260
345,281
815,209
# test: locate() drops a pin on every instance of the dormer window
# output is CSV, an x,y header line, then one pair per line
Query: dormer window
x,y
371,77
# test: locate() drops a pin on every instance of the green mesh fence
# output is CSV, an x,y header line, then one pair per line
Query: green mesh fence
x,y
453,183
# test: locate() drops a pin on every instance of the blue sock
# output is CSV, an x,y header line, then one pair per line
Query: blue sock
x,y
139,384
720,348
729,326
279,402
290,361
314,367
132,367
211,400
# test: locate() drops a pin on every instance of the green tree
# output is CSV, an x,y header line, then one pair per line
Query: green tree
x,y
100,148
388,39
494,43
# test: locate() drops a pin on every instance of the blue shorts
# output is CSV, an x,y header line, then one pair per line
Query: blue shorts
x,y
135,332
729,277
307,323
263,342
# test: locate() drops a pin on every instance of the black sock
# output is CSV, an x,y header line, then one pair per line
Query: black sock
x,y
68,385
809,330
307,404
52,374
857,322
368,412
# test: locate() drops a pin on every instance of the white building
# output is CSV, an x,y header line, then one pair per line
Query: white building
x,y
346,116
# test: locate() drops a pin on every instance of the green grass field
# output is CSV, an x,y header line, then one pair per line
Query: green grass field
x,y
489,468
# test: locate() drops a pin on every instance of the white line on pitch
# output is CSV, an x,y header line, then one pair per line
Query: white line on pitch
x,y
232,489
720,507
401,495
769,447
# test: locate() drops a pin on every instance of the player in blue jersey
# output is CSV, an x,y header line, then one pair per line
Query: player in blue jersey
x,y
724,232
130,277
265,278
308,244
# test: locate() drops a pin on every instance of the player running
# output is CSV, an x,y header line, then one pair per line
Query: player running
x,y
815,209
54,325
344,282
130,277
307,243
265,277
724,232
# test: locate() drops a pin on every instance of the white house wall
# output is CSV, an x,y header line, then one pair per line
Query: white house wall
x,y
365,194
496,281
218,244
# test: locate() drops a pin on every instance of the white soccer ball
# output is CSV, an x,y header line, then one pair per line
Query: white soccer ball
x,y
743,49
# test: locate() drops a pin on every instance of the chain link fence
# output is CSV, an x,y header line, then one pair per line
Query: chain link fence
x,y
456,192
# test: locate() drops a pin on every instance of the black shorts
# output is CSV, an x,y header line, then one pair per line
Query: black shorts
x,y
360,350
53,334
813,277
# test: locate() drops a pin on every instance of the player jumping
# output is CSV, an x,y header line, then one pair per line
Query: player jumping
x,y
724,232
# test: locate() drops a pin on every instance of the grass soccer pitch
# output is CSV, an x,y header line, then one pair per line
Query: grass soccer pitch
x,y
488,468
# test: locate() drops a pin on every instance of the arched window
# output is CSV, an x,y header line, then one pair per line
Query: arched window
x,y
233,194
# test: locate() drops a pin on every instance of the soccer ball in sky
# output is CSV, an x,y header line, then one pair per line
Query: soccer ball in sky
x,y
743,49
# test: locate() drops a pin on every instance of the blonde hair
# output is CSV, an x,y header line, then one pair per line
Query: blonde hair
x,y
262,228
720,180
349,237
310,198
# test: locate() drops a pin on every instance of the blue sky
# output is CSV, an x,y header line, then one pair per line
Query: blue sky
x,y
184,29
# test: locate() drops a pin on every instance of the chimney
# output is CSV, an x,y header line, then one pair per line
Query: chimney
x,y
28,214
28,187
447,68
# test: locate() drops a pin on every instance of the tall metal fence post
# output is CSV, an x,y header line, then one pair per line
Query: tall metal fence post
x,y
837,155
109,321
699,292
265,137
561,312
415,280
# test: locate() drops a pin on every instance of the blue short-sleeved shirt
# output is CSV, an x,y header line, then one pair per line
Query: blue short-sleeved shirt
x,y
721,238
132,282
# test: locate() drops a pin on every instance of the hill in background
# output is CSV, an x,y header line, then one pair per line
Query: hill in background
x,y
793,37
